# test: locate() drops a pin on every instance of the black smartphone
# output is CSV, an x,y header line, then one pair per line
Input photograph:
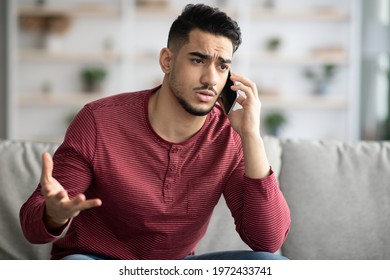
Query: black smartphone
x,y
228,96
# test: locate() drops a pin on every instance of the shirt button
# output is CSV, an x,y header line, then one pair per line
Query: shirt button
x,y
172,167
174,150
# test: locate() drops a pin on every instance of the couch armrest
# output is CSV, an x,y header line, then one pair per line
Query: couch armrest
x,y
20,169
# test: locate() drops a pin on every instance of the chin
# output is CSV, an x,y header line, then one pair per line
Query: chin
x,y
199,111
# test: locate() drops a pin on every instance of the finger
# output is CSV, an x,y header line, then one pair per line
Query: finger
x,y
240,99
244,84
88,203
80,203
47,189
47,168
61,195
91,203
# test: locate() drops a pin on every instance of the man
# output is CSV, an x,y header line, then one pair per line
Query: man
x,y
138,174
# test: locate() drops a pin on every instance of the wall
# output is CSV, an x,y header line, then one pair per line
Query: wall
x,y
139,34
3,70
375,62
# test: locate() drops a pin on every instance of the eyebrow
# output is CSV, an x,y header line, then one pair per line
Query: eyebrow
x,y
209,57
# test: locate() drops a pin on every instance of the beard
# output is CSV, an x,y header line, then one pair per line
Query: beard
x,y
191,109
177,91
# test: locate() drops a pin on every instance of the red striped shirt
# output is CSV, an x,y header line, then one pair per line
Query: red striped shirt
x,y
157,196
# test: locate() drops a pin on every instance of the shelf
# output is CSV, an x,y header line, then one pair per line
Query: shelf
x,y
312,102
78,11
279,58
156,11
57,99
273,102
56,56
168,12
262,14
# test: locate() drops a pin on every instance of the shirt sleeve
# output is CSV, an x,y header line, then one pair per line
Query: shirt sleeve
x,y
72,168
260,211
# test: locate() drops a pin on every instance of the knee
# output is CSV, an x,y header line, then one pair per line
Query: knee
x,y
268,256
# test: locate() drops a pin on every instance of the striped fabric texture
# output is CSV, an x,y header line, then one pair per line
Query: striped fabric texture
x,y
157,196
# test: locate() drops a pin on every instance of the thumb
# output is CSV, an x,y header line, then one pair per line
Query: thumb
x,y
47,167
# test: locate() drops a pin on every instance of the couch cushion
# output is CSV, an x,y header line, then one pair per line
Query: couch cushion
x,y
20,168
339,197
221,234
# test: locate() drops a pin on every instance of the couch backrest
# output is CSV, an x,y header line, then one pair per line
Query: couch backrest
x,y
338,193
339,198
20,168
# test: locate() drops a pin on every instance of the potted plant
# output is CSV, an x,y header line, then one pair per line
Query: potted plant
x,y
274,121
321,78
273,44
93,78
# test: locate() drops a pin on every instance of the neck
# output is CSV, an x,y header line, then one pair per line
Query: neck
x,y
169,120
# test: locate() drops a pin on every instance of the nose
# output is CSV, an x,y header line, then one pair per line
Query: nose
x,y
209,76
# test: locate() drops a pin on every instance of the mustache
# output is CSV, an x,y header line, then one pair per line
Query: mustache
x,y
207,87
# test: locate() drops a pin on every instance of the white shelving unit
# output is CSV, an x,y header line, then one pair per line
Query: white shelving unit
x,y
136,36
65,100
333,15
46,84
60,56
311,102
312,34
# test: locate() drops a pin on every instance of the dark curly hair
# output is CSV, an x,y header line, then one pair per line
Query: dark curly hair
x,y
207,19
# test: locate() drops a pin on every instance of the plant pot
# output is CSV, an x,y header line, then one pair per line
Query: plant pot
x,y
321,88
92,86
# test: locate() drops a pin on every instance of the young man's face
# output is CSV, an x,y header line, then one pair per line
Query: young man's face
x,y
200,71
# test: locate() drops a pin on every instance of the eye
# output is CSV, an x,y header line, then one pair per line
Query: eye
x,y
224,67
197,60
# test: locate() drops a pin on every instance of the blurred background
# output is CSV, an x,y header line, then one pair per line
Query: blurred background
x,y
321,66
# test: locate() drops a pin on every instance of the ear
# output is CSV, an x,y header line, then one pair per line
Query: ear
x,y
166,60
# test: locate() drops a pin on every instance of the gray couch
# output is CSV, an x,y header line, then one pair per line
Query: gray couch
x,y
338,193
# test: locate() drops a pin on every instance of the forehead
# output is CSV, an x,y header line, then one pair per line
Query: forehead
x,y
215,45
